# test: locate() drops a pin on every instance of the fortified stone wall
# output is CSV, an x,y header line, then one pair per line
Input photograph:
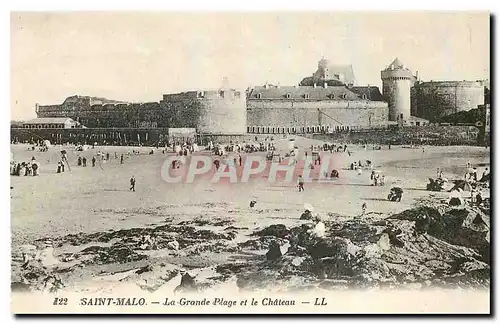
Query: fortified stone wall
x,y
426,135
69,108
217,112
432,100
288,114
211,112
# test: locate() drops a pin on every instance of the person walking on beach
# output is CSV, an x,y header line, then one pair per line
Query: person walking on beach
x,y
121,159
363,209
300,182
132,184
93,161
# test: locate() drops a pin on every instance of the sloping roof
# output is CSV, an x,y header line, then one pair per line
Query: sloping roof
x,y
49,120
310,81
371,92
396,64
318,93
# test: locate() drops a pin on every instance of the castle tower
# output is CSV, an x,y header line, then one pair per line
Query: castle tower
x,y
396,83
323,68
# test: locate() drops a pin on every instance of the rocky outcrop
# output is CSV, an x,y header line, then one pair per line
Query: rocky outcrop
x,y
420,247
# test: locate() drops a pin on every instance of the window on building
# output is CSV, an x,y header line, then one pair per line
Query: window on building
x,y
306,96
259,96
344,96
332,96
364,96
288,96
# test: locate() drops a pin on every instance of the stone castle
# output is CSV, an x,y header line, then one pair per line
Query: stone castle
x,y
328,101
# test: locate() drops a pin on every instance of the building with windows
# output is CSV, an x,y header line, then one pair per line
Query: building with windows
x,y
314,109
54,122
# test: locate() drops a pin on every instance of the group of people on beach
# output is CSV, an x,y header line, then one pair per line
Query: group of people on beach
x,y
377,179
30,168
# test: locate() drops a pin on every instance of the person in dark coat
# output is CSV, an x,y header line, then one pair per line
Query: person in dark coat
x,y
132,183
93,161
300,183
84,161
479,199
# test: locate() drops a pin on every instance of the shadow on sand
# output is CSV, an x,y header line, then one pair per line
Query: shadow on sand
x,y
376,199
416,189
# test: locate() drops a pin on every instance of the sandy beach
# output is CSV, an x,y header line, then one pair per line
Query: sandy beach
x,y
212,222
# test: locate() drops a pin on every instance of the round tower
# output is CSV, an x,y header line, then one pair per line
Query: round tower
x,y
396,84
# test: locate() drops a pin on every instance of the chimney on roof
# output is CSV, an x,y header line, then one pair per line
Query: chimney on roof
x,y
266,86
416,75
325,85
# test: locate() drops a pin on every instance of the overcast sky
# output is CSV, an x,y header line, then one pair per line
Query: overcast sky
x,y
140,56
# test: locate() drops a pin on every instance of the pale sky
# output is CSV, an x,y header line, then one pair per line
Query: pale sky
x,y
140,56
